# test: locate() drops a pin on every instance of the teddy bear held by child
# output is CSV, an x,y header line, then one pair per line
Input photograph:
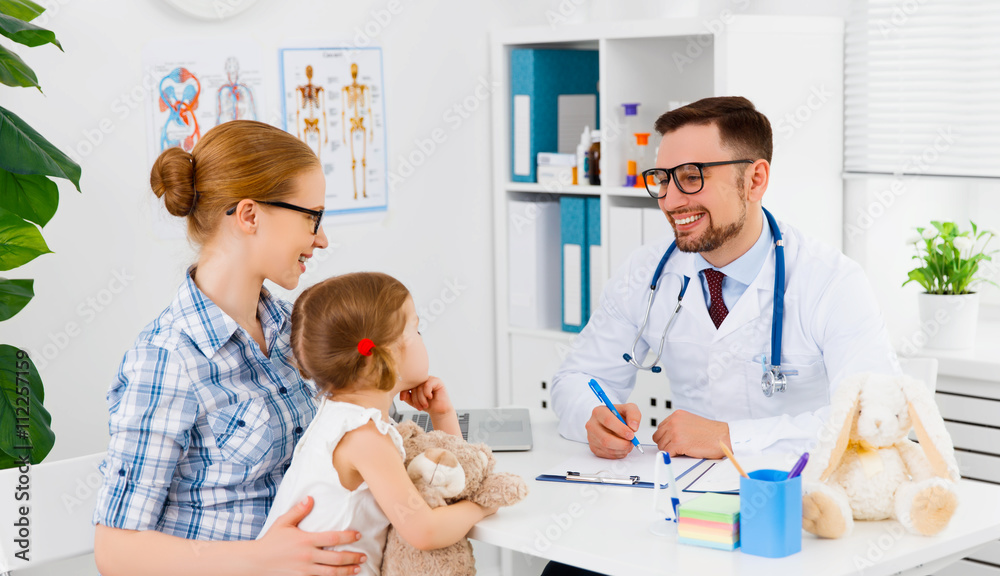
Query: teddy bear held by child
x,y
446,469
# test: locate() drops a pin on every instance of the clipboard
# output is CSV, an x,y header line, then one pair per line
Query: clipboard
x,y
635,470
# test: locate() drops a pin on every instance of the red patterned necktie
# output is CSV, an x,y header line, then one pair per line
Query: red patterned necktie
x,y
718,308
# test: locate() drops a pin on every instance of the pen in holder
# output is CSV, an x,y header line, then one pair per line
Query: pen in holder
x,y
666,522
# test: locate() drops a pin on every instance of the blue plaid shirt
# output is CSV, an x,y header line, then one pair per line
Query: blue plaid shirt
x,y
202,423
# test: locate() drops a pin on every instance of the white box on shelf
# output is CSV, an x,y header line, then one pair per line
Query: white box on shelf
x,y
534,264
624,234
655,226
555,169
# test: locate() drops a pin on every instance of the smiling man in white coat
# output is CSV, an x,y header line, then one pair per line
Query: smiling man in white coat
x,y
715,159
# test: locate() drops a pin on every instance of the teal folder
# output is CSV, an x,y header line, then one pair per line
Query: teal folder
x,y
575,273
543,75
595,268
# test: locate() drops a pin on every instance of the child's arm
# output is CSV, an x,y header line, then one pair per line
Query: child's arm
x,y
432,397
378,461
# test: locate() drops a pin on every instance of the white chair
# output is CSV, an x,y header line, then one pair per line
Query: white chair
x,y
60,504
923,369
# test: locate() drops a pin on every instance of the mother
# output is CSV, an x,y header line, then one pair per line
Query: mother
x,y
207,405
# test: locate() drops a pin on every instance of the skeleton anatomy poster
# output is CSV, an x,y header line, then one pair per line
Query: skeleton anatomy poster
x,y
333,101
191,86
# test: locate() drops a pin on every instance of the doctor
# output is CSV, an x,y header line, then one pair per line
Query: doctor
x,y
717,353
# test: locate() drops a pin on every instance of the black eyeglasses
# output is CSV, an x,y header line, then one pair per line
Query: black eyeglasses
x,y
317,215
690,177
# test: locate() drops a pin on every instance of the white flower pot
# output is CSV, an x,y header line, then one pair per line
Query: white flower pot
x,y
948,321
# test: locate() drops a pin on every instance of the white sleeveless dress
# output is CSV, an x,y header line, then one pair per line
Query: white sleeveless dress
x,y
312,474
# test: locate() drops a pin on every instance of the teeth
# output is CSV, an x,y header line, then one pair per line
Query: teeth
x,y
688,220
302,259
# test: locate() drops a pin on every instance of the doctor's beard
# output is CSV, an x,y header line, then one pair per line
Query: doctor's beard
x,y
712,237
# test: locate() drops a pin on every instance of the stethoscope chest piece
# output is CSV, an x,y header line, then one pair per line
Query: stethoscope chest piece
x,y
772,381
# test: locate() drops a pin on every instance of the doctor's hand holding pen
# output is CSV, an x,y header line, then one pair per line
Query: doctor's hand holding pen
x,y
607,435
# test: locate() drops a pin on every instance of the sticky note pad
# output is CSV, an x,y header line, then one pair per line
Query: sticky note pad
x,y
713,508
711,520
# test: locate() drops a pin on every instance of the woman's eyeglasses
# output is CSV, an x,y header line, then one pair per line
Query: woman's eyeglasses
x,y
317,215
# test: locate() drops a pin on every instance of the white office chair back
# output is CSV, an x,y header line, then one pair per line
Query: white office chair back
x,y
60,505
923,369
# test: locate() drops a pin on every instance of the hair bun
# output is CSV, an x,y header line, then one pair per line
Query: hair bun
x,y
172,179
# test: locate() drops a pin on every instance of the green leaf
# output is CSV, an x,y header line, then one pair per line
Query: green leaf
x,y
28,34
25,151
21,410
21,9
14,72
917,275
14,296
34,198
20,241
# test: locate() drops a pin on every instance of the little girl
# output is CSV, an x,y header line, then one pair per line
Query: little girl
x,y
356,337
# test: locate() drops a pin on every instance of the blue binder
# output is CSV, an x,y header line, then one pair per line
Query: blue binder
x,y
575,272
595,259
543,75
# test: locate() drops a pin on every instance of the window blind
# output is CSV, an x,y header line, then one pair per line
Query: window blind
x,y
922,87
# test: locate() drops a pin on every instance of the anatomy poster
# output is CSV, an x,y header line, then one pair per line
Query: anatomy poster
x,y
333,101
191,86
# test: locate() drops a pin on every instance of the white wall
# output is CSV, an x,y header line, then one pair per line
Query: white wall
x,y
437,231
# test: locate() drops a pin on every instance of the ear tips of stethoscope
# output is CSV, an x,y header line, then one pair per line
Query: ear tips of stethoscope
x,y
656,369
627,357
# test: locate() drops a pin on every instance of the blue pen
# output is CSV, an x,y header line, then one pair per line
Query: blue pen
x,y
799,466
607,402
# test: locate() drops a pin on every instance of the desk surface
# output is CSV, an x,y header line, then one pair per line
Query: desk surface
x,y
606,528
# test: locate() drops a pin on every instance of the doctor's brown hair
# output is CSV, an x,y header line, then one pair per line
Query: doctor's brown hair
x,y
742,128
236,160
332,317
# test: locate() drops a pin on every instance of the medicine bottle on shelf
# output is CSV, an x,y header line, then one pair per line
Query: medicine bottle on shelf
x,y
580,177
594,158
645,158
628,148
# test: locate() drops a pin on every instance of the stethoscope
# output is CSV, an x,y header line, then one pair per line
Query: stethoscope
x,y
774,377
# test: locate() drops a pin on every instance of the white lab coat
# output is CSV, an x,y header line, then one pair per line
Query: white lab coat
x,y
832,328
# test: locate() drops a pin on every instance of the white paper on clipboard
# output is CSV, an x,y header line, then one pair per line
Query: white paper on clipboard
x,y
721,478
635,464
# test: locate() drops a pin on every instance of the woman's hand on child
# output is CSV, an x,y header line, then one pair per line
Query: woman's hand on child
x,y
431,397
285,549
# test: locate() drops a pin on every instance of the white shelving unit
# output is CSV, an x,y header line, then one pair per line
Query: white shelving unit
x,y
654,62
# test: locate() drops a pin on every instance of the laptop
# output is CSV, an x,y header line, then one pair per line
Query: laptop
x,y
502,429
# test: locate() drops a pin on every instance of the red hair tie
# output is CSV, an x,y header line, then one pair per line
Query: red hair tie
x,y
365,347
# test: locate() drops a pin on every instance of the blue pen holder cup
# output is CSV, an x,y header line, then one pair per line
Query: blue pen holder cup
x,y
770,514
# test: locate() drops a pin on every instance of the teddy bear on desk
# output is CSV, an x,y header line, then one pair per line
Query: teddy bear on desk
x,y
865,467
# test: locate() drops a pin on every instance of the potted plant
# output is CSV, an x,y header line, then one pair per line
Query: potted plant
x,y
949,266
28,200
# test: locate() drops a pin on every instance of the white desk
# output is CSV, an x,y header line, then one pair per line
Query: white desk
x,y
606,529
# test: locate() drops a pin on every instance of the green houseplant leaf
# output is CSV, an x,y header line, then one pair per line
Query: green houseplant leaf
x,y
20,241
32,153
28,34
34,198
23,418
14,296
14,72
21,9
